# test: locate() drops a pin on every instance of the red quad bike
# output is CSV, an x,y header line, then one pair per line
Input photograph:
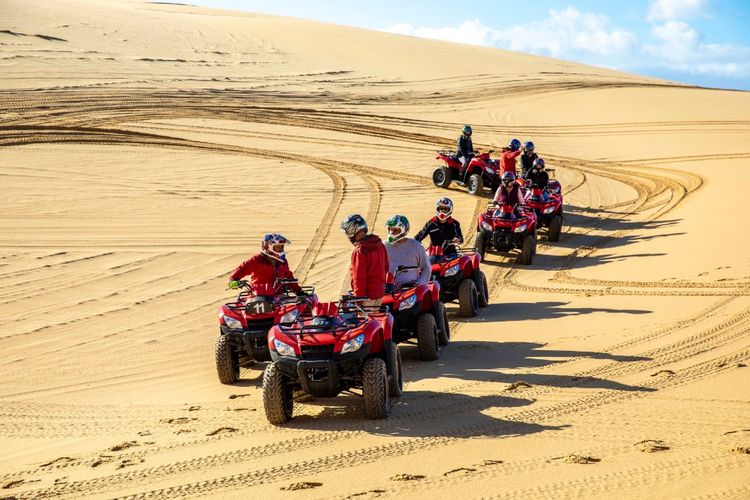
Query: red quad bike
x,y
549,212
244,324
482,172
418,312
503,228
457,271
333,347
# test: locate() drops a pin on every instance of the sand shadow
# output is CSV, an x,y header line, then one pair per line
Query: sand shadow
x,y
520,311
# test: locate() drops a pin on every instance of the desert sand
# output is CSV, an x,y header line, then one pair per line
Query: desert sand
x,y
146,147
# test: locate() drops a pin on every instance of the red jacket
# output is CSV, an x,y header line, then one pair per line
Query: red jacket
x,y
263,272
509,161
368,268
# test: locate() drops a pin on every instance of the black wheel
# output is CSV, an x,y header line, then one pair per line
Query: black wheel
x,y
444,328
277,396
536,239
375,389
427,337
479,245
441,177
227,361
396,380
475,185
468,298
483,292
527,250
555,227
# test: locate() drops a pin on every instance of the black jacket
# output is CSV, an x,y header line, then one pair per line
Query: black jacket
x,y
440,232
464,147
527,160
539,178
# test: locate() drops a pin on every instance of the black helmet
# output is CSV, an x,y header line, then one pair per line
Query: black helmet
x,y
508,178
529,146
466,130
352,224
538,163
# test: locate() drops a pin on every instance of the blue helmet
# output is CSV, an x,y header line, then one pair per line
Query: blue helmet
x,y
529,146
538,163
514,145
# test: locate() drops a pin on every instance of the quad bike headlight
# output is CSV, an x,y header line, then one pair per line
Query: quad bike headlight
x,y
486,226
283,349
549,210
520,228
453,270
354,344
408,303
232,323
289,317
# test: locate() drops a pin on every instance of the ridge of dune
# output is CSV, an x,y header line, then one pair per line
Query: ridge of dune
x,y
146,147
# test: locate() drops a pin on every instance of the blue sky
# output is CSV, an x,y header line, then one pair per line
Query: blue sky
x,y
701,42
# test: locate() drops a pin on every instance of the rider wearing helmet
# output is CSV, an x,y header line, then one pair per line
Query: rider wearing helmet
x,y
537,175
509,192
369,261
464,150
441,228
527,158
403,251
267,267
510,153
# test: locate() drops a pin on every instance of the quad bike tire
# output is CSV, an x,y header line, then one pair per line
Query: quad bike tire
x,y
227,361
475,185
527,250
479,245
427,337
468,298
555,228
396,381
483,292
444,327
277,396
375,389
441,178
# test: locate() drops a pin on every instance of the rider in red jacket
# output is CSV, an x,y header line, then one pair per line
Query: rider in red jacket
x,y
369,262
510,154
266,267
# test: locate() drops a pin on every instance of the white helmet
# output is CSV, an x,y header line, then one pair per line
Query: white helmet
x,y
270,246
443,208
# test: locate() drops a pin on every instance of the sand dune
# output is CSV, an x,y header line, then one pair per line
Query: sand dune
x,y
145,147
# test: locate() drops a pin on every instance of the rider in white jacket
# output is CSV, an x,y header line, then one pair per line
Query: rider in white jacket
x,y
403,251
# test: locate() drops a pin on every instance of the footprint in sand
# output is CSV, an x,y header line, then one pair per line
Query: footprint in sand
x,y
60,460
222,430
487,462
194,408
304,485
178,420
517,386
17,483
128,462
460,470
377,493
101,460
651,445
745,450
407,477
663,372
576,459
124,445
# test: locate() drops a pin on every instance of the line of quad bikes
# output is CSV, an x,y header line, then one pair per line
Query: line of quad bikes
x,y
322,349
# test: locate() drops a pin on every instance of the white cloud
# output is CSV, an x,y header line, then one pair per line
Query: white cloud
x,y
675,9
562,34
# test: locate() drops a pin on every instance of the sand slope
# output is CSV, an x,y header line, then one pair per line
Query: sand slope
x,y
144,148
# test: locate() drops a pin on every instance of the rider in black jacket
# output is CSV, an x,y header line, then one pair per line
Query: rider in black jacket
x,y
527,158
464,150
441,228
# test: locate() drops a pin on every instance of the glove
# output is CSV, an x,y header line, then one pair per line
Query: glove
x,y
234,284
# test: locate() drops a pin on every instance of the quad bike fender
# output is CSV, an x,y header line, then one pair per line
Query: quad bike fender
x,y
428,294
231,313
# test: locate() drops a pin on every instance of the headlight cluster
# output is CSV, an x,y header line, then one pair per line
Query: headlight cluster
x,y
520,228
453,270
408,303
486,226
283,349
354,344
289,317
232,323
549,210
